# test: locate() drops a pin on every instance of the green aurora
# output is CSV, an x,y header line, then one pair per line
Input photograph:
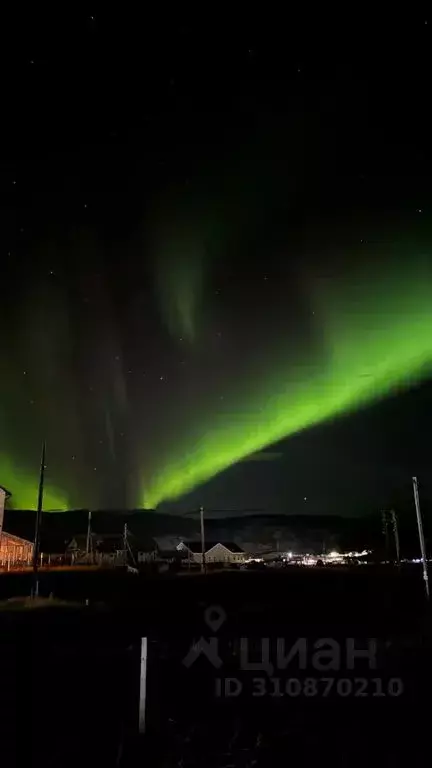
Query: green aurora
x,y
24,488
370,336
179,276
375,338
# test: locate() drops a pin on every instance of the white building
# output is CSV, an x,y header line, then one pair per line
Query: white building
x,y
227,552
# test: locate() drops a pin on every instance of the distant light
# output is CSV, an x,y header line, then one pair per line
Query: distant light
x,y
309,560
334,554
305,498
289,555
358,554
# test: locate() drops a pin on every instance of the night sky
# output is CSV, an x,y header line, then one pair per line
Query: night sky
x,y
216,253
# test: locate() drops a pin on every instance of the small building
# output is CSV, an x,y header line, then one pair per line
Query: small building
x,y
224,552
147,555
160,553
14,550
104,549
146,550
271,556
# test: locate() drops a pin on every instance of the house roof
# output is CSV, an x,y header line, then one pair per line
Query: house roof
x,y
231,545
109,544
8,493
195,546
100,542
166,543
15,539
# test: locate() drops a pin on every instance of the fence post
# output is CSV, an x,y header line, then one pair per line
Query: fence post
x,y
143,685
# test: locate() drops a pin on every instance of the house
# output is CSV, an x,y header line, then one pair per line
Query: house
x,y
226,552
167,546
160,550
104,549
147,552
14,550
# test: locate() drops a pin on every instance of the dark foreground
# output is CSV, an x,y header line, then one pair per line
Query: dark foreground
x,y
70,674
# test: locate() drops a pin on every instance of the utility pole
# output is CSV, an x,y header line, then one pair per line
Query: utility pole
x,y
387,518
89,547
203,560
36,546
421,535
396,535
385,523
127,546
125,541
